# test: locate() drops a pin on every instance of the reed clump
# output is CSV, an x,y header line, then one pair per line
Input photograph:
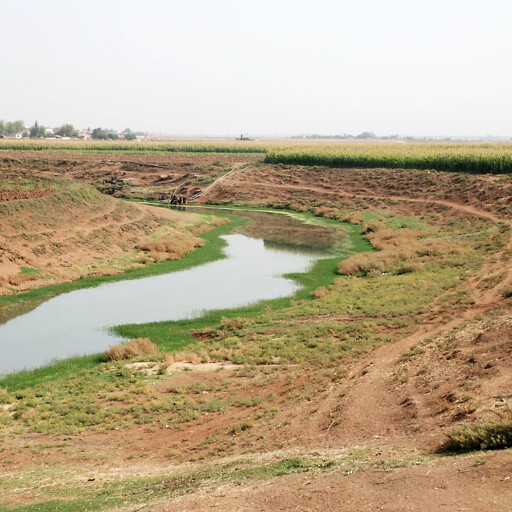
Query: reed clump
x,y
167,248
129,350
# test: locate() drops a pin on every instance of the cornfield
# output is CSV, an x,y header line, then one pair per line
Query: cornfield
x,y
495,158
122,146
470,158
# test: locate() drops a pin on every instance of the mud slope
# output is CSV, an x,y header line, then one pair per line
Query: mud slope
x,y
59,231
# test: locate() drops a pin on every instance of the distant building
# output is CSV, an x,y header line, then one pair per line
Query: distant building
x,y
19,135
84,134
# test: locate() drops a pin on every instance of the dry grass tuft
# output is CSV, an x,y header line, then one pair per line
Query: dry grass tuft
x,y
320,292
184,357
167,248
131,349
353,218
326,211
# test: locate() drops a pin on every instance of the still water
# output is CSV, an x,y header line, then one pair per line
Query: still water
x,y
77,322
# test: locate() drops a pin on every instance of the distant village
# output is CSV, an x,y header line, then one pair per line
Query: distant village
x,y
18,130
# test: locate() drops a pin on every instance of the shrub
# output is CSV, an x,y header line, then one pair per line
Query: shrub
x,y
482,436
366,263
131,349
353,218
183,357
409,267
326,211
320,292
506,291
235,323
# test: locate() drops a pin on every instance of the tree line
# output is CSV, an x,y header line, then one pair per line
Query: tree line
x,y
37,131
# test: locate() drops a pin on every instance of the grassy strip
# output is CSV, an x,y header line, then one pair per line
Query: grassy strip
x,y
150,491
136,491
28,378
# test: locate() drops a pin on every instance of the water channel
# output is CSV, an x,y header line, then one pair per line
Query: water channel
x,y
77,322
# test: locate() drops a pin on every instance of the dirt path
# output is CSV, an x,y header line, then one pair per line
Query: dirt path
x,y
233,171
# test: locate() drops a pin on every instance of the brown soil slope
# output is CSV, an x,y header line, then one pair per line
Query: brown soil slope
x,y
68,230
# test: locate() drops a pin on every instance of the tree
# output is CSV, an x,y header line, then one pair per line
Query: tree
x,y
66,130
112,136
366,135
14,127
36,131
129,135
2,128
99,134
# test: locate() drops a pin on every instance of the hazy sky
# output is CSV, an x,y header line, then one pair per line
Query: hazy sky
x,y
218,67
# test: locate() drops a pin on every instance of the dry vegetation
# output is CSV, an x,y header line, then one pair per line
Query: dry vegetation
x,y
130,350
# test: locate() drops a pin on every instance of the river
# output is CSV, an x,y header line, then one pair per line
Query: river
x,y
78,322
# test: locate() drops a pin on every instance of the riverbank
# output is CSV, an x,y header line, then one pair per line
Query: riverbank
x,y
173,335
25,301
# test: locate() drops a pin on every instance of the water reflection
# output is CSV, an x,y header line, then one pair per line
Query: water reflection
x,y
289,232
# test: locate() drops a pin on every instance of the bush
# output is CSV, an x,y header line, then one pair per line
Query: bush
x,y
409,267
320,292
482,436
131,349
235,323
506,291
167,248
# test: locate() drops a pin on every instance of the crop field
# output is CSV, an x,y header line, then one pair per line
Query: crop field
x,y
468,157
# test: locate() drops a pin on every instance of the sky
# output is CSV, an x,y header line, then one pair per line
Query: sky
x,y
276,68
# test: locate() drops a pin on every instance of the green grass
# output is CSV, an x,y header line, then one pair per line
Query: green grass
x,y
28,378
